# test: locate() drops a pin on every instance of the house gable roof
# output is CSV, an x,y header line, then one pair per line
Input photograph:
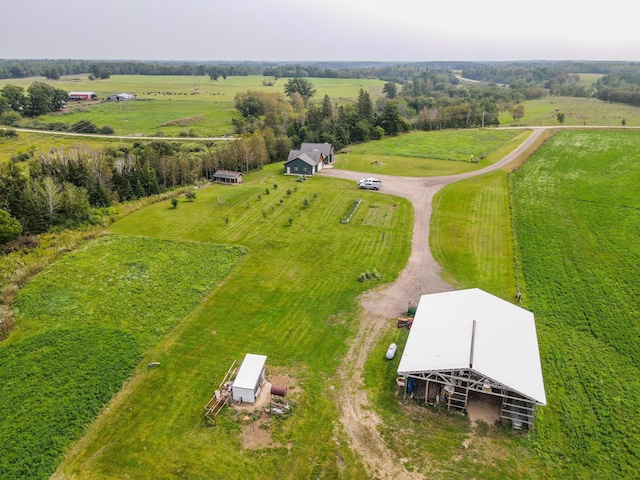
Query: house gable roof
x,y
312,158
325,148
505,344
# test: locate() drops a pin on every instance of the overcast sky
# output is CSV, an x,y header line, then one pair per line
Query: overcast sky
x,y
310,30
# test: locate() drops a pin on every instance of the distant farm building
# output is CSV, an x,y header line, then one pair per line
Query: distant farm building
x,y
309,159
121,97
83,96
250,378
469,344
225,176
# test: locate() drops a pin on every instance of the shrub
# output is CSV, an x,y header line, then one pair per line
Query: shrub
x,y
174,202
84,126
107,130
369,275
10,118
8,132
10,228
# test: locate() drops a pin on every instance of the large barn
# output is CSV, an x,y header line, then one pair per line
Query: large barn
x,y
469,342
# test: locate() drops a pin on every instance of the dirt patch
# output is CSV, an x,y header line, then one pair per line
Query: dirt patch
x,y
483,408
256,424
255,434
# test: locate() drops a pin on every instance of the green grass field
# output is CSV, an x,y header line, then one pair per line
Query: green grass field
x,y
167,105
577,222
577,112
419,154
292,299
471,235
83,325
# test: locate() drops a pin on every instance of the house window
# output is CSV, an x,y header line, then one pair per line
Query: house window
x,y
295,169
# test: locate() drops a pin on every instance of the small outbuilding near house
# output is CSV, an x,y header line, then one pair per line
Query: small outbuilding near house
x,y
225,176
250,378
471,342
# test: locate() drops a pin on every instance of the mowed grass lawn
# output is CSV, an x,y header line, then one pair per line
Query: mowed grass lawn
x,y
292,298
471,234
420,154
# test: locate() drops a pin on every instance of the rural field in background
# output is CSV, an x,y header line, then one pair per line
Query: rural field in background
x,y
292,296
167,105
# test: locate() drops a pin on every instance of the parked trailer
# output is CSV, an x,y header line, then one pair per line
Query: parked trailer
x,y
83,96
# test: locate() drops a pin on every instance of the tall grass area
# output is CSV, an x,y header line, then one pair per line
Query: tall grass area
x,y
293,298
420,154
577,221
82,324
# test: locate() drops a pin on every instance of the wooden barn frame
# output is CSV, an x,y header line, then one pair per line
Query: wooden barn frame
x,y
468,342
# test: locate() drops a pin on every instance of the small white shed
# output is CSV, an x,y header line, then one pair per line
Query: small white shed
x,y
250,378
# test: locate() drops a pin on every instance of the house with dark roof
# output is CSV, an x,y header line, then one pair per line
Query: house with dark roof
x,y
225,176
309,159
328,152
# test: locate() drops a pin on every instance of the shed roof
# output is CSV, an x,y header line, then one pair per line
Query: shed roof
x,y
227,174
505,344
250,371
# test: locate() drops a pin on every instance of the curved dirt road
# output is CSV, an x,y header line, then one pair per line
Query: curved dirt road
x,y
420,276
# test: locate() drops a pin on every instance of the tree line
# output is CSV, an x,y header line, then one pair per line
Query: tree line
x,y
64,188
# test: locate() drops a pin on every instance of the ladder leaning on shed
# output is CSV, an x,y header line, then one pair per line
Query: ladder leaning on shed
x,y
222,395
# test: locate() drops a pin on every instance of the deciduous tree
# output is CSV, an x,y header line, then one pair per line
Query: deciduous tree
x,y
300,85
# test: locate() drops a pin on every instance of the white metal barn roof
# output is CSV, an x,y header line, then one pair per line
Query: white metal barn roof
x,y
250,371
505,344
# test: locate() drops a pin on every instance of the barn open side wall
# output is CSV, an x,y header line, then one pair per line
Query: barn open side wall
x,y
515,407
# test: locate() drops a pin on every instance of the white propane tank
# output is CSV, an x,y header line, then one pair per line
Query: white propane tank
x,y
391,351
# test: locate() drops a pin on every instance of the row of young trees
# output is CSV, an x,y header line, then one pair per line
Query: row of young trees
x,y
63,187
